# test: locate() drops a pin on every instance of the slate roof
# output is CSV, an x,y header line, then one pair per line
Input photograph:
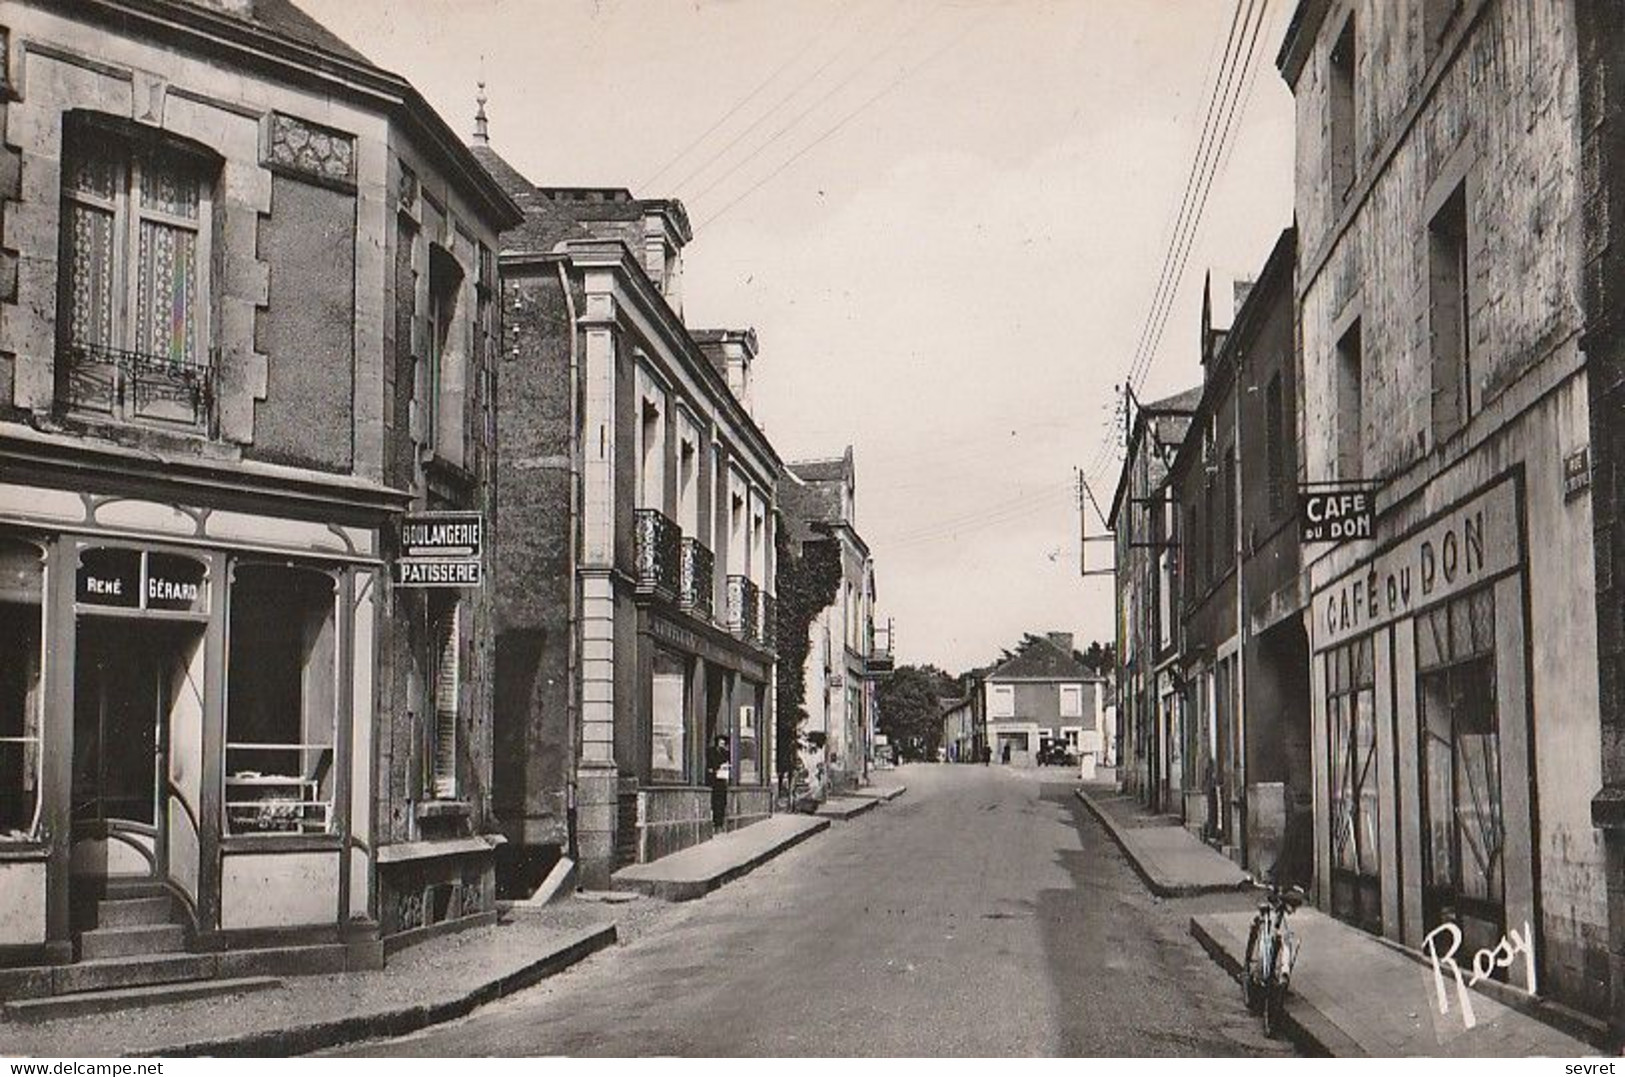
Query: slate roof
x,y
1185,401
281,17
1041,660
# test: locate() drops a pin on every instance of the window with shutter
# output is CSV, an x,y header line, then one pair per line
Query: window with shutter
x,y
447,685
133,312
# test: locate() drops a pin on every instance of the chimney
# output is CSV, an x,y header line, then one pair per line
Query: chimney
x,y
1063,640
1243,289
731,351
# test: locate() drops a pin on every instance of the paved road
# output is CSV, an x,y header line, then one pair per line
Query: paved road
x,y
983,913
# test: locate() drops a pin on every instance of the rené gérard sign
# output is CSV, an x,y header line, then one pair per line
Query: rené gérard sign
x,y
441,549
1335,514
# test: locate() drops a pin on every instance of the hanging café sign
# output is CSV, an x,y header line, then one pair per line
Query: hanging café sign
x,y
1335,514
440,549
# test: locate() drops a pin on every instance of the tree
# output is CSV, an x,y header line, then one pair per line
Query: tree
x,y
807,583
910,709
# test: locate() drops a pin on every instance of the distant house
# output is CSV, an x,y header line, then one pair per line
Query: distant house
x,y
1043,694
961,730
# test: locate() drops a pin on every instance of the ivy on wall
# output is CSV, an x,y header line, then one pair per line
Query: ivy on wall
x,y
807,584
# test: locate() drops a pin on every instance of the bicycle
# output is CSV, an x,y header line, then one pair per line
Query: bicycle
x,y
1272,947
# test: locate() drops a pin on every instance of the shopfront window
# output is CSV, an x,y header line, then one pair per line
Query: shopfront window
x,y
1352,729
281,701
21,634
1462,825
750,743
669,744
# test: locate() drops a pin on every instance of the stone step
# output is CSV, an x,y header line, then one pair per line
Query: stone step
x,y
131,940
129,912
45,1009
141,971
118,889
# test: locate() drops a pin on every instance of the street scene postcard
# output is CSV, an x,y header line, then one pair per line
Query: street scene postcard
x,y
717,530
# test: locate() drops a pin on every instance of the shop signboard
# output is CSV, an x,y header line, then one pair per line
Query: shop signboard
x,y
124,578
1335,514
441,549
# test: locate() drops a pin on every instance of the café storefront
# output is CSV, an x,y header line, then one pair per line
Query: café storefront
x,y
1422,744
186,703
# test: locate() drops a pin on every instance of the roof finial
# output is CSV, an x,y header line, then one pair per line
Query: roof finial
x,y
482,131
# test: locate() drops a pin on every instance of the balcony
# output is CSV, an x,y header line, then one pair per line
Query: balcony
x,y
134,385
698,579
744,609
658,551
767,630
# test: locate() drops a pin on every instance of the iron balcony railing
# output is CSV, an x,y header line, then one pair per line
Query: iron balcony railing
x,y
135,385
744,609
658,550
698,579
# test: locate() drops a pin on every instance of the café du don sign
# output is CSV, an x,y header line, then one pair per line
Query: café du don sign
x,y
440,549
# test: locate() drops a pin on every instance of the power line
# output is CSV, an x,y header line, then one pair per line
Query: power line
x,y
794,58
753,155
1207,188
839,52
846,119
1166,280
1212,152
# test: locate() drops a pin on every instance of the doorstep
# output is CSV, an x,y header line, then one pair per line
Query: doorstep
x,y
696,871
1354,996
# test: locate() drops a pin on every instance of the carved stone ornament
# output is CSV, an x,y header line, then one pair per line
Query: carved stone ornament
x,y
306,149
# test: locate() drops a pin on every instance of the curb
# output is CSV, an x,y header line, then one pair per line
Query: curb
x,y
691,889
1156,886
1309,1030
303,1039
867,804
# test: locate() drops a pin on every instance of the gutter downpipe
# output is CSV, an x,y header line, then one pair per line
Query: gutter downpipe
x,y
573,631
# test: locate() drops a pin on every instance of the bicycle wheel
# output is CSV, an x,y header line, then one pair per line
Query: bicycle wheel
x,y
1252,979
1274,1009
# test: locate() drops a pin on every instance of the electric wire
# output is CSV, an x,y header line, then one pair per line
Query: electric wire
x,y
795,57
829,62
849,117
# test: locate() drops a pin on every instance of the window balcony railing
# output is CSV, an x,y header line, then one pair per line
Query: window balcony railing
x,y
135,385
658,545
744,609
767,629
698,579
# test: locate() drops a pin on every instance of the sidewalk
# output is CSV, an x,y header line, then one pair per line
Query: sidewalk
x,y
1354,996
696,871
1172,861
845,807
437,980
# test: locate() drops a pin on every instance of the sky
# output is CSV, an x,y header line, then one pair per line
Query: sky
x,y
945,219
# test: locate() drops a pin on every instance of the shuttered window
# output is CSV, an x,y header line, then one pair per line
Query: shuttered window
x,y
448,675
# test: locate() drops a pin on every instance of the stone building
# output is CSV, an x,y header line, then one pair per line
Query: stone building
x,y
1454,697
635,568
1244,665
1150,714
844,659
247,310
1601,45
1039,697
